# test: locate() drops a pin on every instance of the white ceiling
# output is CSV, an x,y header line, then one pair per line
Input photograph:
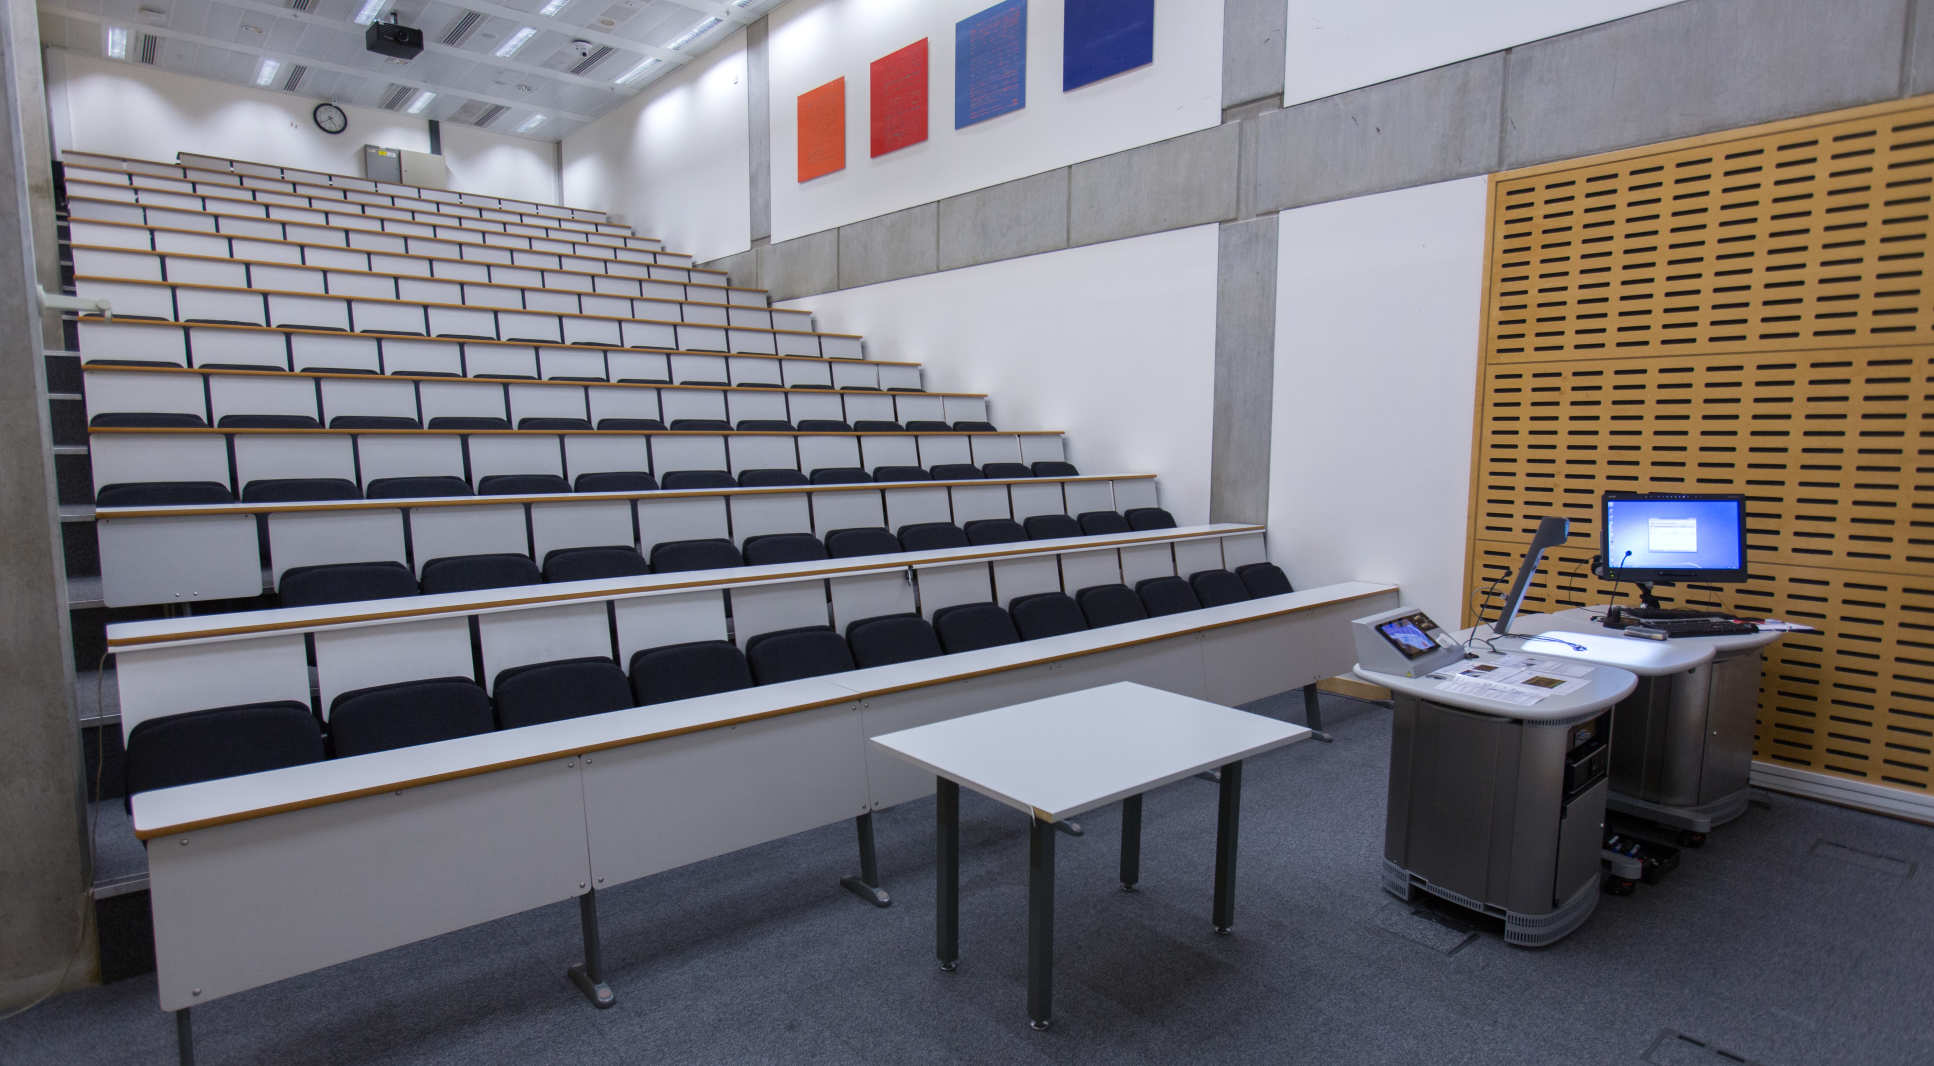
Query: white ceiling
x,y
228,40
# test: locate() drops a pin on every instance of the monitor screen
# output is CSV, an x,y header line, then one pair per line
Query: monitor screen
x,y
1413,635
1674,536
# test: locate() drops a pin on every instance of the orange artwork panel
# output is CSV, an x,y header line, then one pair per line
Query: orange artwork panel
x,y
822,130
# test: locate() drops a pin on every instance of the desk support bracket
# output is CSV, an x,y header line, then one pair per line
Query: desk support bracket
x,y
588,975
184,1037
867,885
1313,714
1131,842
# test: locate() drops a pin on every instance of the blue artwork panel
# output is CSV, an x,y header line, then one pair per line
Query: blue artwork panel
x,y
990,63
1104,38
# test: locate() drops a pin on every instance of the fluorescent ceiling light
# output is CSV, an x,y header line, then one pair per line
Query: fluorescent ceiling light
x,y
692,34
514,42
117,42
631,75
422,101
554,7
265,73
370,9
531,123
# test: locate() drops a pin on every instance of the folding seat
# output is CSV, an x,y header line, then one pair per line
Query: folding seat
x,y
374,422
1046,614
674,556
955,472
1095,523
1051,527
1166,595
147,420
632,424
469,422
901,473
1217,588
395,488
407,713
1054,468
764,425
783,548
823,425
162,493
790,654
585,564
974,427
1110,605
554,691
877,425
767,477
300,489
248,738
927,425
688,424
891,638
994,531
697,479
521,485
536,422
861,540
1006,470
617,481
972,626
686,671
469,573
1145,518
704,381
268,422
1263,579
931,536
310,586
840,475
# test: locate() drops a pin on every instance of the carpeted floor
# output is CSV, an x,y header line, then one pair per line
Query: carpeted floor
x,y
1800,934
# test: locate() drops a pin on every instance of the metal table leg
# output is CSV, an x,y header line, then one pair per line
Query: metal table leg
x,y
1040,923
1131,842
946,896
1313,714
1227,808
184,1037
588,976
867,885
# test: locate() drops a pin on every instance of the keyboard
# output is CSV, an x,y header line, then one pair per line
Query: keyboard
x,y
1692,627
1648,614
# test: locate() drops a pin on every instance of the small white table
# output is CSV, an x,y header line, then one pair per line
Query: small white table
x,y
1059,757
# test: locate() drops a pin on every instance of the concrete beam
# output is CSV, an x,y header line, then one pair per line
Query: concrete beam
x,y
1917,69
801,266
897,245
1252,50
1183,181
1022,217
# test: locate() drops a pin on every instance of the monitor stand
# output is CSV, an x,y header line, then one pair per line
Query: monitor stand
x,y
1646,599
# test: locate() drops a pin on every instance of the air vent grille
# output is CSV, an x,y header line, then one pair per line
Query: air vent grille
x,y
460,30
302,5
591,60
397,96
295,74
149,42
490,114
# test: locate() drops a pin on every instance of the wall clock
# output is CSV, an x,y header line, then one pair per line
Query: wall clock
x,y
330,118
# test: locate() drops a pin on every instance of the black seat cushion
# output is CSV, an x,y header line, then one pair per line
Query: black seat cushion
x,y
1149,518
892,638
407,713
553,422
931,536
823,425
397,488
146,420
771,548
770,476
374,422
617,481
1217,588
955,472
901,473
522,485
1054,468
675,556
697,479
972,626
840,475
468,573
1006,471
1110,605
1263,579
162,494
790,654
298,489
927,425
1166,595
248,738
974,426
308,586
469,422
586,564
862,540
764,425
633,424
686,671
1046,614
554,691
268,422
877,425
693,424
1051,527
995,531
1095,523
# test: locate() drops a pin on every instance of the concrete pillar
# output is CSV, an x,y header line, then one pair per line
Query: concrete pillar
x,y
45,921
758,97
30,89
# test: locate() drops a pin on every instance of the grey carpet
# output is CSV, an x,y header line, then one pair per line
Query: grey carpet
x,y
1799,935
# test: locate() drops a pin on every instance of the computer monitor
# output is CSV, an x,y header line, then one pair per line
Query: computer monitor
x,y
1674,536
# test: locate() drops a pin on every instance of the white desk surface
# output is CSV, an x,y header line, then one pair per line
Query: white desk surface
x,y
1609,684
1058,757
1585,620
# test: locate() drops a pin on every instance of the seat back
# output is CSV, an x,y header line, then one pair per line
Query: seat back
x,y
994,531
771,476
407,713
1263,579
971,626
249,738
1006,470
1149,518
553,691
162,493
863,540
300,489
713,553
1051,527
1110,605
1046,614
892,638
901,473
308,586
840,475
468,573
955,472
782,548
1096,523
617,481
586,564
1217,588
697,479
522,485
931,536
686,671
1166,595
790,654
397,488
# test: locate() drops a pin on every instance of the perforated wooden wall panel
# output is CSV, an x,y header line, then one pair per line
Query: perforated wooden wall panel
x,y
1746,312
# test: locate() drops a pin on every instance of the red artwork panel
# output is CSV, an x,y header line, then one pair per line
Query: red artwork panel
x,y
900,98
822,130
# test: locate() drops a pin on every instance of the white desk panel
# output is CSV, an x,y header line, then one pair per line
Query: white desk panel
x,y
1001,449
1193,557
1243,549
1089,495
907,506
1143,562
818,453
462,399
585,454
313,351
352,658
847,510
1252,660
1137,493
102,339
681,518
545,401
1609,684
213,345
112,391
1023,577
1082,570
944,586
638,366
762,453
313,538
165,681
541,635
166,560
700,452
973,502
273,455
818,404
892,781
757,514
935,450
570,363
439,532
495,453
858,405
741,405
409,355
609,402
888,451
769,608
697,368
124,457
870,596
692,403
1585,620
1032,498
674,618
966,408
920,407
383,455
374,396
580,525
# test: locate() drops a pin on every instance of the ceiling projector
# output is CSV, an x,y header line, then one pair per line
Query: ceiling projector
x,y
391,39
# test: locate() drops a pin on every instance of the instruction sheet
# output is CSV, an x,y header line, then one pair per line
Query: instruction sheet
x,y
1517,679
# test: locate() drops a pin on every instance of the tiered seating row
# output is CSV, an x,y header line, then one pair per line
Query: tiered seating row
x,y
248,168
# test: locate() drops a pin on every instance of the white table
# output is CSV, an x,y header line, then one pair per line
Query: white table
x,y
1059,757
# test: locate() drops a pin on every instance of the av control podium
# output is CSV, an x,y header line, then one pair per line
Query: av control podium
x,y
1500,807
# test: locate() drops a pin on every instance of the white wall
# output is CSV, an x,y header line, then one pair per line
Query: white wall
x,y
1378,306
1334,45
675,160
1113,343
815,41
127,109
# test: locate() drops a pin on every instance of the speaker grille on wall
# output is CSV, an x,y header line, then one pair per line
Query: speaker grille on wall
x,y
1744,312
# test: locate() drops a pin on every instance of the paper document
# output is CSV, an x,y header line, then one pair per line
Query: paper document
x,y
1518,679
1489,690
1774,625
